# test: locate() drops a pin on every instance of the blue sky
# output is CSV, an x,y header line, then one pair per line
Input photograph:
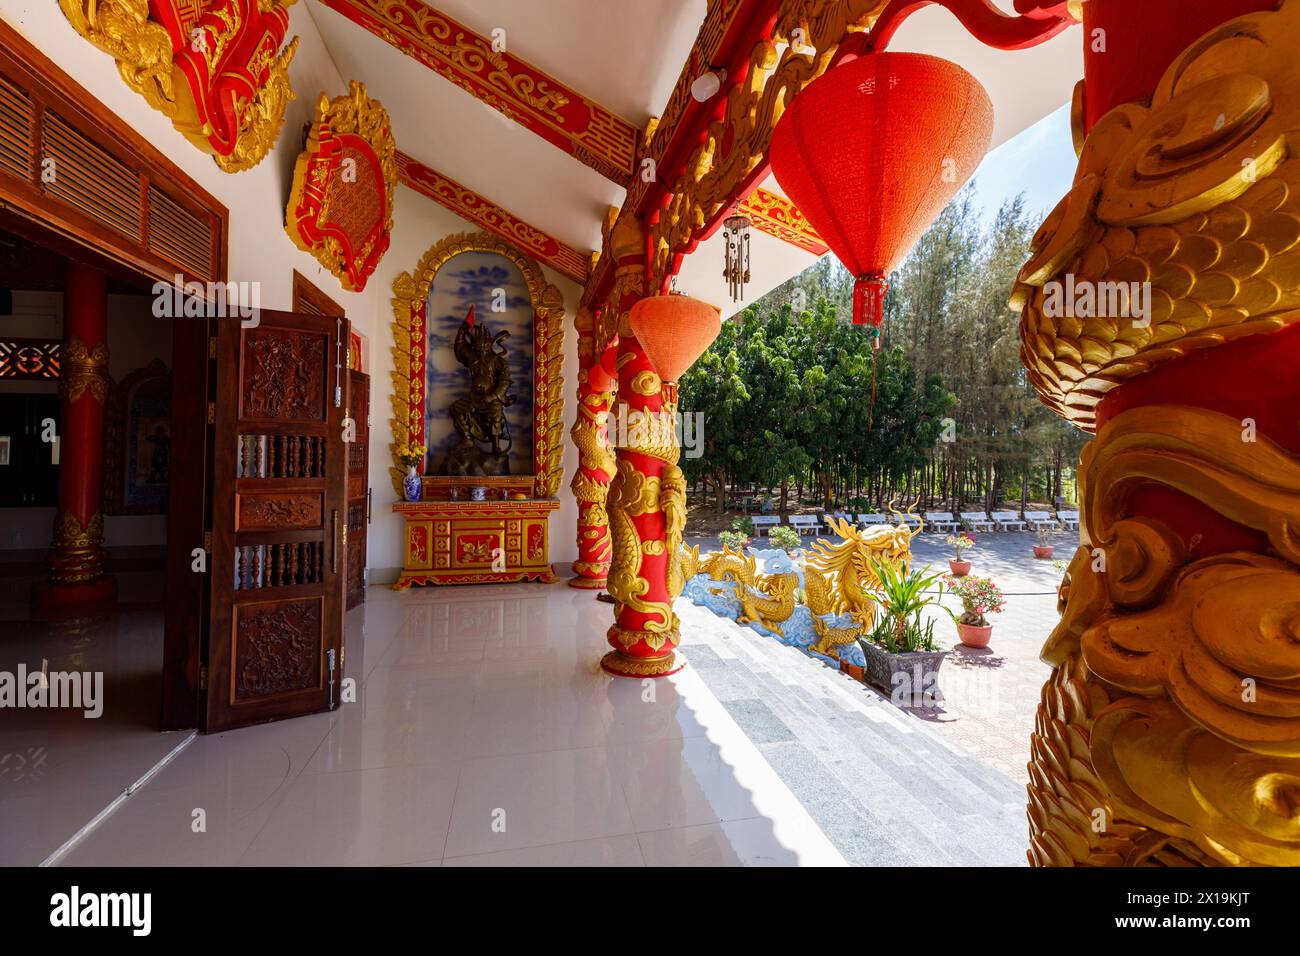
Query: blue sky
x,y
1039,162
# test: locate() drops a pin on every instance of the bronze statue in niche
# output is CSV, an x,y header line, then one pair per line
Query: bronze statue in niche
x,y
479,416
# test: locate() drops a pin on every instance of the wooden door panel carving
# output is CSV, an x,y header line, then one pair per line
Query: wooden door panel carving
x,y
285,376
279,514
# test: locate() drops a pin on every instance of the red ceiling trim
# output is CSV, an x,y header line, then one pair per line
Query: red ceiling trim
x,y
484,213
562,116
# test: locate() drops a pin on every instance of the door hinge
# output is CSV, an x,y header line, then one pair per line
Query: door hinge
x,y
203,677
212,346
207,541
212,413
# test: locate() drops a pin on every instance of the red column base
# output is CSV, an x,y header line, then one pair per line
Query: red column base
x,y
52,599
623,665
587,584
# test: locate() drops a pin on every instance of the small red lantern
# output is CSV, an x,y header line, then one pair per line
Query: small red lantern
x,y
872,151
674,330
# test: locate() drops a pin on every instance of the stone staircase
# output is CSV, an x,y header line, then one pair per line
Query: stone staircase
x,y
884,787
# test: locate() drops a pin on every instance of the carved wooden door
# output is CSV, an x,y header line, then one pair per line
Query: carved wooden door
x,y
358,486
279,520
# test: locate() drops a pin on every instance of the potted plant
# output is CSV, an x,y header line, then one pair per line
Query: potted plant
x,y
968,529
959,542
900,653
412,456
787,539
1043,549
735,540
979,597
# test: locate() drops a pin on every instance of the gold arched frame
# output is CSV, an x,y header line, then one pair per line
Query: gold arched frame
x,y
410,296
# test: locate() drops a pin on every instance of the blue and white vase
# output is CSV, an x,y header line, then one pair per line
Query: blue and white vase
x,y
411,484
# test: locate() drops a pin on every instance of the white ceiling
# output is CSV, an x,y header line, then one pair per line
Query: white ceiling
x,y
617,54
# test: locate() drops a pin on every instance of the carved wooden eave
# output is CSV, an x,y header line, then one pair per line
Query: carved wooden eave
x,y
215,68
559,114
486,214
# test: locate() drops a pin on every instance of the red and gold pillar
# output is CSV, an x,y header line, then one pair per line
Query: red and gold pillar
x,y
1169,731
647,497
597,380
77,555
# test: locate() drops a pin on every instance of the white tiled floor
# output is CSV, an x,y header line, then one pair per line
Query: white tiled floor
x,y
483,733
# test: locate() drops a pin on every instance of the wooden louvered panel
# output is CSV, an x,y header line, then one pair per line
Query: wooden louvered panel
x,y
179,235
15,130
91,178
79,172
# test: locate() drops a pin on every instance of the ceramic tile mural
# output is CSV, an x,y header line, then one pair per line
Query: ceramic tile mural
x,y
495,287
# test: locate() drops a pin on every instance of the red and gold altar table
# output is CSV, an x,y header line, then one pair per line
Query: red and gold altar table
x,y
475,542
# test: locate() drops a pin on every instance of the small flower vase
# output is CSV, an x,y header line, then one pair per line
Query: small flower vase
x,y
411,484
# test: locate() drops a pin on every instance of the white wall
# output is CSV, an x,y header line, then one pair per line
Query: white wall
x,y
261,251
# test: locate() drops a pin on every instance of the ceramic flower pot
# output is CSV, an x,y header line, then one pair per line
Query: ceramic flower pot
x,y
411,484
1043,552
973,636
959,568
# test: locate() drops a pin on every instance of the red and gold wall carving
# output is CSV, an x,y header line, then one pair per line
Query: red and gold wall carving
x,y
581,127
1169,732
483,212
341,202
215,68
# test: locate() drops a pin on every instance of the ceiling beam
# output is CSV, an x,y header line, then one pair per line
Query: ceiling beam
x,y
562,116
778,216
483,212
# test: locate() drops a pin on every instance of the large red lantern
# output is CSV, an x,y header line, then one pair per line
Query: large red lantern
x,y
872,151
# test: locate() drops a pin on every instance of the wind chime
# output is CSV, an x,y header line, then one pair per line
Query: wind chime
x,y
736,268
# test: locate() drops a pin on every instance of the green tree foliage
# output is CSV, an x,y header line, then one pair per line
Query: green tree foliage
x,y
786,388
786,399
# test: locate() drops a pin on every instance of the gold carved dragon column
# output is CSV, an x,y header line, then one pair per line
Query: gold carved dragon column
x,y
647,497
1169,731
597,379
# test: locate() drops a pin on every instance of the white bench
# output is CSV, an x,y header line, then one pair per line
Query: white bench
x,y
865,520
1040,521
765,523
1006,521
1070,519
940,520
978,520
804,523
909,521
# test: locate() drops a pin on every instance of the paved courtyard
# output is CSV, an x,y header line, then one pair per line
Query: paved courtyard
x,y
899,786
991,694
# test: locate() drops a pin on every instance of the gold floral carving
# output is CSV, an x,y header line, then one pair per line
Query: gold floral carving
x,y
411,291
77,554
1170,729
84,370
1198,195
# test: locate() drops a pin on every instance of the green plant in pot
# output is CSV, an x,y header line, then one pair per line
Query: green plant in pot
x,y
787,539
900,650
979,598
1044,548
959,543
